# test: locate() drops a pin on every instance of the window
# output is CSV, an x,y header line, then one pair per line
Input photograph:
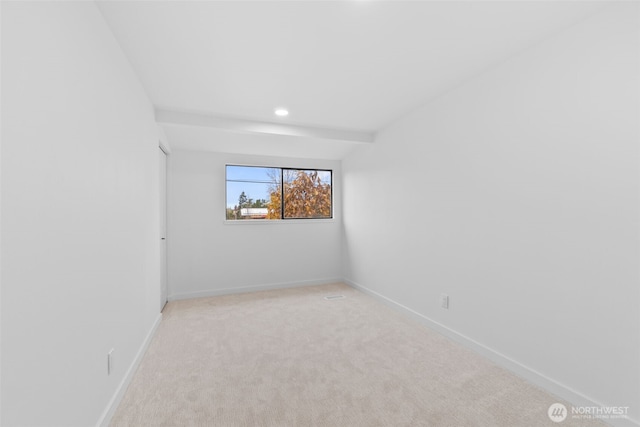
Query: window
x,y
255,192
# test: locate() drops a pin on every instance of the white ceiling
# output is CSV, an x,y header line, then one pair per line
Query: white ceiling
x,y
342,66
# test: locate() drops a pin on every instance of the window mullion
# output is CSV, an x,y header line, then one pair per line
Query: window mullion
x,y
281,193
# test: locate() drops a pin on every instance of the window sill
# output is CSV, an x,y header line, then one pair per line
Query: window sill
x,y
279,221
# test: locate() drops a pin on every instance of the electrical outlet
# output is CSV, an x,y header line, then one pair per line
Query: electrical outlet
x,y
444,301
110,362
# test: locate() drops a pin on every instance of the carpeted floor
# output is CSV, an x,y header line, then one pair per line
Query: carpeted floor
x,y
292,358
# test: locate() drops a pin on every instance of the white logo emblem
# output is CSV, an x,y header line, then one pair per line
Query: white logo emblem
x,y
557,412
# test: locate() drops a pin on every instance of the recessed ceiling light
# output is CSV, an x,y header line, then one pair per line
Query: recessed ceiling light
x,y
281,112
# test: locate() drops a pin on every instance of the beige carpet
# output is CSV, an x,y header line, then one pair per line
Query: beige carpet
x,y
291,358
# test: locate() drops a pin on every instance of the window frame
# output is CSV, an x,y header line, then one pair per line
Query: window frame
x,y
282,218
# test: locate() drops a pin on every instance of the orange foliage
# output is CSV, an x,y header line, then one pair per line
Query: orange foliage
x,y
305,196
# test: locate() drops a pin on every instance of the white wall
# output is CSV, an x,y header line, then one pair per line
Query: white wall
x,y
209,256
0,219
517,195
79,214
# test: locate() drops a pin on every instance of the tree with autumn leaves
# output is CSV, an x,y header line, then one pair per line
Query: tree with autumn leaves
x,y
305,195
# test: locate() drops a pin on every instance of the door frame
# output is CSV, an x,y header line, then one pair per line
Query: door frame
x,y
163,253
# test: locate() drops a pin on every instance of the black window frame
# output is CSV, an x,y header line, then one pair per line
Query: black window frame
x,y
282,198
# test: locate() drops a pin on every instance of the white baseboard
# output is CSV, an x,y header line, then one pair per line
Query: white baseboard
x,y
566,393
254,288
105,419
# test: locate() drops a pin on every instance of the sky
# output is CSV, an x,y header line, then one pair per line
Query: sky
x,y
256,188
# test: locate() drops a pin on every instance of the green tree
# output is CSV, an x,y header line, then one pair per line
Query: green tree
x,y
243,201
260,203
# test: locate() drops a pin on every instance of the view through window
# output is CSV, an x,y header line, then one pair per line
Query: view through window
x,y
255,192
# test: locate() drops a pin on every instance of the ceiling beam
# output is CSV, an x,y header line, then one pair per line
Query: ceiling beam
x,y
251,126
